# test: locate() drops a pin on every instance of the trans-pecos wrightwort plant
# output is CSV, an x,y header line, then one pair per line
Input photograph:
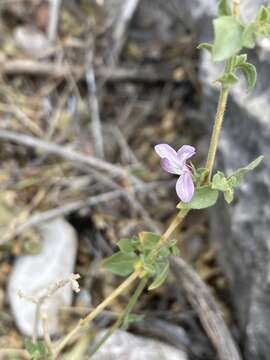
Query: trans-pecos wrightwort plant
x,y
146,255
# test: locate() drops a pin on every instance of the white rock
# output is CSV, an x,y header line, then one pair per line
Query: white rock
x,y
31,40
33,273
125,346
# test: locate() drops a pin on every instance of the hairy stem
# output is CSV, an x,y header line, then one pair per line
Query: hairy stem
x,y
223,97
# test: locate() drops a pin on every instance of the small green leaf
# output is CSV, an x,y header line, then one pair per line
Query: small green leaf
x,y
224,8
37,350
228,195
219,182
161,276
264,15
236,178
228,37
120,263
148,240
164,251
228,79
175,250
250,74
126,246
249,36
199,175
206,46
148,265
204,197
240,60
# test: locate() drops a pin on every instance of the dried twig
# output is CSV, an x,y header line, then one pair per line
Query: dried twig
x,y
93,103
38,300
202,301
39,218
62,71
63,152
46,334
120,31
53,20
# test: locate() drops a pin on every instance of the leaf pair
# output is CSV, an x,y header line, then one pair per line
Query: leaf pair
x,y
138,252
239,62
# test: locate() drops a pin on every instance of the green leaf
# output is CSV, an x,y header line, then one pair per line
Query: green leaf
x,y
37,350
228,195
249,36
199,175
161,276
120,263
148,265
228,79
206,46
224,8
250,73
164,251
239,60
264,15
126,246
175,250
228,37
148,240
204,197
219,182
236,178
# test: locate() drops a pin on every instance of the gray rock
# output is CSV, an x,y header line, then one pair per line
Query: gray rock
x,y
32,274
125,346
241,231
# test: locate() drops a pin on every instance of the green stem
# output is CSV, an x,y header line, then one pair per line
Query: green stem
x,y
223,97
132,302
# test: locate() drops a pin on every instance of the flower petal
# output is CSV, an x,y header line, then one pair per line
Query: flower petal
x,y
166,151
185,187
184,153
170,166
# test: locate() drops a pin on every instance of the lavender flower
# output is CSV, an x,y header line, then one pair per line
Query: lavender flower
x,y
175,163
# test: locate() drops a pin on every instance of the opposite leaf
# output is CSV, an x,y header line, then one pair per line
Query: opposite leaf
x,y
250,74
228,38
161,276
228,79
204,197
249,36
224,8
206,46
120,263
228,195
126,246
219,182
236,178
148,240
